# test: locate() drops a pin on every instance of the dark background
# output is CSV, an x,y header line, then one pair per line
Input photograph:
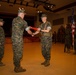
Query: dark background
x,y
8,23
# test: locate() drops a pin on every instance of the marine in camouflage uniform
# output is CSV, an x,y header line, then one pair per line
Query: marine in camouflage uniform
x,y
18,26
2,41
67,38
46,40
75,41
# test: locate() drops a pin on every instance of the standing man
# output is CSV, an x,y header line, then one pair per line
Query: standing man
x,y
67,38
46,39
18,26
2,41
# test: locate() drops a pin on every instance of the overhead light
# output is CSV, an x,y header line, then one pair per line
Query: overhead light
x,y
39,11
48,6
51,6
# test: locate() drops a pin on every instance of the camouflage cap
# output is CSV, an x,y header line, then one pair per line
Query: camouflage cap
x,y
43,15
1,20
21,10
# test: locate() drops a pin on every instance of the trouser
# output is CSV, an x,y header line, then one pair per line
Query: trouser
x,y
46,47
1,51
67,46
54,40
18,53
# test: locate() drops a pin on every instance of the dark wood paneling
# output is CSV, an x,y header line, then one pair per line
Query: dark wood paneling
x,y
58,21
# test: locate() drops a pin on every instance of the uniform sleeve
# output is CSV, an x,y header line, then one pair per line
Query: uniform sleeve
x,y
13,22
49,26
26,26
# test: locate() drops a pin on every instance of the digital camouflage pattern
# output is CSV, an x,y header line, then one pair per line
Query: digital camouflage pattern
x,y
46,40
18,26
2,41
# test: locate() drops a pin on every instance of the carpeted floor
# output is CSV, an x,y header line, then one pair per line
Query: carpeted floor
x,y
61,63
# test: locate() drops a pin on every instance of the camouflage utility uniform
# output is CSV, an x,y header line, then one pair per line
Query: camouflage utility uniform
x,y
2,41
18,26
67,39
46,40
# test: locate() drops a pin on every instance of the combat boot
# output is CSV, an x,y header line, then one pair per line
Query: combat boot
x,y
47,63
1,64
68,51
43,63
64,50
19,69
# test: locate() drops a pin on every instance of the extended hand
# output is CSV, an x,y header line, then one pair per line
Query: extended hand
x,y
33,35
39,29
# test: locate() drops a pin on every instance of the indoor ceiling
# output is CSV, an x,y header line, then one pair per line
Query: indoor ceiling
x,y
34,6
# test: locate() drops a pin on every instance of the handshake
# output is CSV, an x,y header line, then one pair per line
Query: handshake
x,y
33,34
36,29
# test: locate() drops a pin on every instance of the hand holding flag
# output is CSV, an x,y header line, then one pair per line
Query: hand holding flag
x,y
34,28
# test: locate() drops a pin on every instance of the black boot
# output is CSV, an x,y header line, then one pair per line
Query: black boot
x,y
64,50
43,63
19,69
47,63
68,50
1,64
